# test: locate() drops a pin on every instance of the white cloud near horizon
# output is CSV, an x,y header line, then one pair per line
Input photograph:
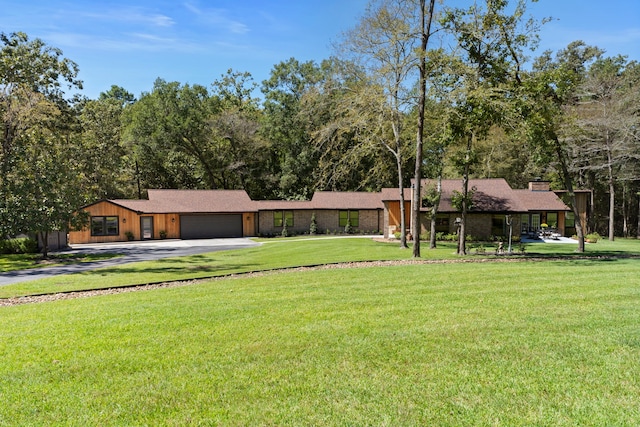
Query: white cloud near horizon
x,y
217,17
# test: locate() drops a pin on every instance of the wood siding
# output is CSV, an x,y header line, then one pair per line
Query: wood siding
x,y
249,224
394,215
128,221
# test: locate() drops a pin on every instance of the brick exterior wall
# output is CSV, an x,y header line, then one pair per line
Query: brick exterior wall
x,y
371,221
478,225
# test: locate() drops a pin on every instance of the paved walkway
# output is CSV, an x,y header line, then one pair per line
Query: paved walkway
x,y
130,251
558,240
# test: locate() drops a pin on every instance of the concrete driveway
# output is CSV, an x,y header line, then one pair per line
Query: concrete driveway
x,y
131,252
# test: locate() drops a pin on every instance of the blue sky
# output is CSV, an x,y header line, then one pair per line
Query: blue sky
x,y
131,43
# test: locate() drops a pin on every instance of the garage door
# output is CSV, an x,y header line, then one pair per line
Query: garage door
x,y
210,226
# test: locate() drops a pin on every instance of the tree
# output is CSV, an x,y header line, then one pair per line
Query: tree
x,y
547,92
384,44
340,129
491,42
603,119
170,133
292,156
45,180
39,186
436,145
28,65
426,18
236,125
118,93
108,172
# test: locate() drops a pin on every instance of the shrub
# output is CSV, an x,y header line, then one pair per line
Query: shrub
x,y
480,250
313,227
592,237
451,237
23,245
163,234
129,235
285,232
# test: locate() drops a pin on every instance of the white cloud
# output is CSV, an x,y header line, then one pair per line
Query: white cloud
x,y
218,18
161,20
132,16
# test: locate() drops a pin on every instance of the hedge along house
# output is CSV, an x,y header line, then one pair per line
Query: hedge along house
x,y
493,202
196,214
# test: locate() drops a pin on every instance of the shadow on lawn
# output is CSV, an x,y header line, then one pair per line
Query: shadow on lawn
x,y
191,266
605,256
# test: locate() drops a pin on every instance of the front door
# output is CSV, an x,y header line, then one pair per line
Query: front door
x,y
146,227
535,222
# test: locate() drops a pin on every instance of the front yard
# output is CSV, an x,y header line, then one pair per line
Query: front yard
x,y
482,343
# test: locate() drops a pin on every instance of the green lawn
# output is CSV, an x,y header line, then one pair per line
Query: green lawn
x,y
281,253
541,343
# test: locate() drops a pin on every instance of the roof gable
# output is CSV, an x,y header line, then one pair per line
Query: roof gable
x,y
489,195
191,201
541,200
117,203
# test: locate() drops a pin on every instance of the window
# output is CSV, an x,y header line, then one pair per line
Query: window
x,y
442,223
535,222
104,226
552,219
280,216
569,220
498,225
351,217
524,223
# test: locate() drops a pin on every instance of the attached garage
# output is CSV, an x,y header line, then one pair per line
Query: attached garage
x,y
210,226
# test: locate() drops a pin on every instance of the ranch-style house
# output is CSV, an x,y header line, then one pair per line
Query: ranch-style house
x,y
195,214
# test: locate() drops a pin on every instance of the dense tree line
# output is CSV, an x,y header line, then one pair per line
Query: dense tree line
x,y
391,105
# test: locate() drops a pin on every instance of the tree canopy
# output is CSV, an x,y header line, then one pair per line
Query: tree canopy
x,y
388,107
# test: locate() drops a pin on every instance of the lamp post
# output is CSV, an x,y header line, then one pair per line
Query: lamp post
x,y
510,224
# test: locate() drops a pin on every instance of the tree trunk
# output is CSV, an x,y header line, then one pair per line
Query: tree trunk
x,y
425,29
572,196
625,211
44,237
612,198
462,237
403,223
638,227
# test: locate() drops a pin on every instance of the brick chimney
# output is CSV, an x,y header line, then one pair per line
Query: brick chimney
x,y
539,185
